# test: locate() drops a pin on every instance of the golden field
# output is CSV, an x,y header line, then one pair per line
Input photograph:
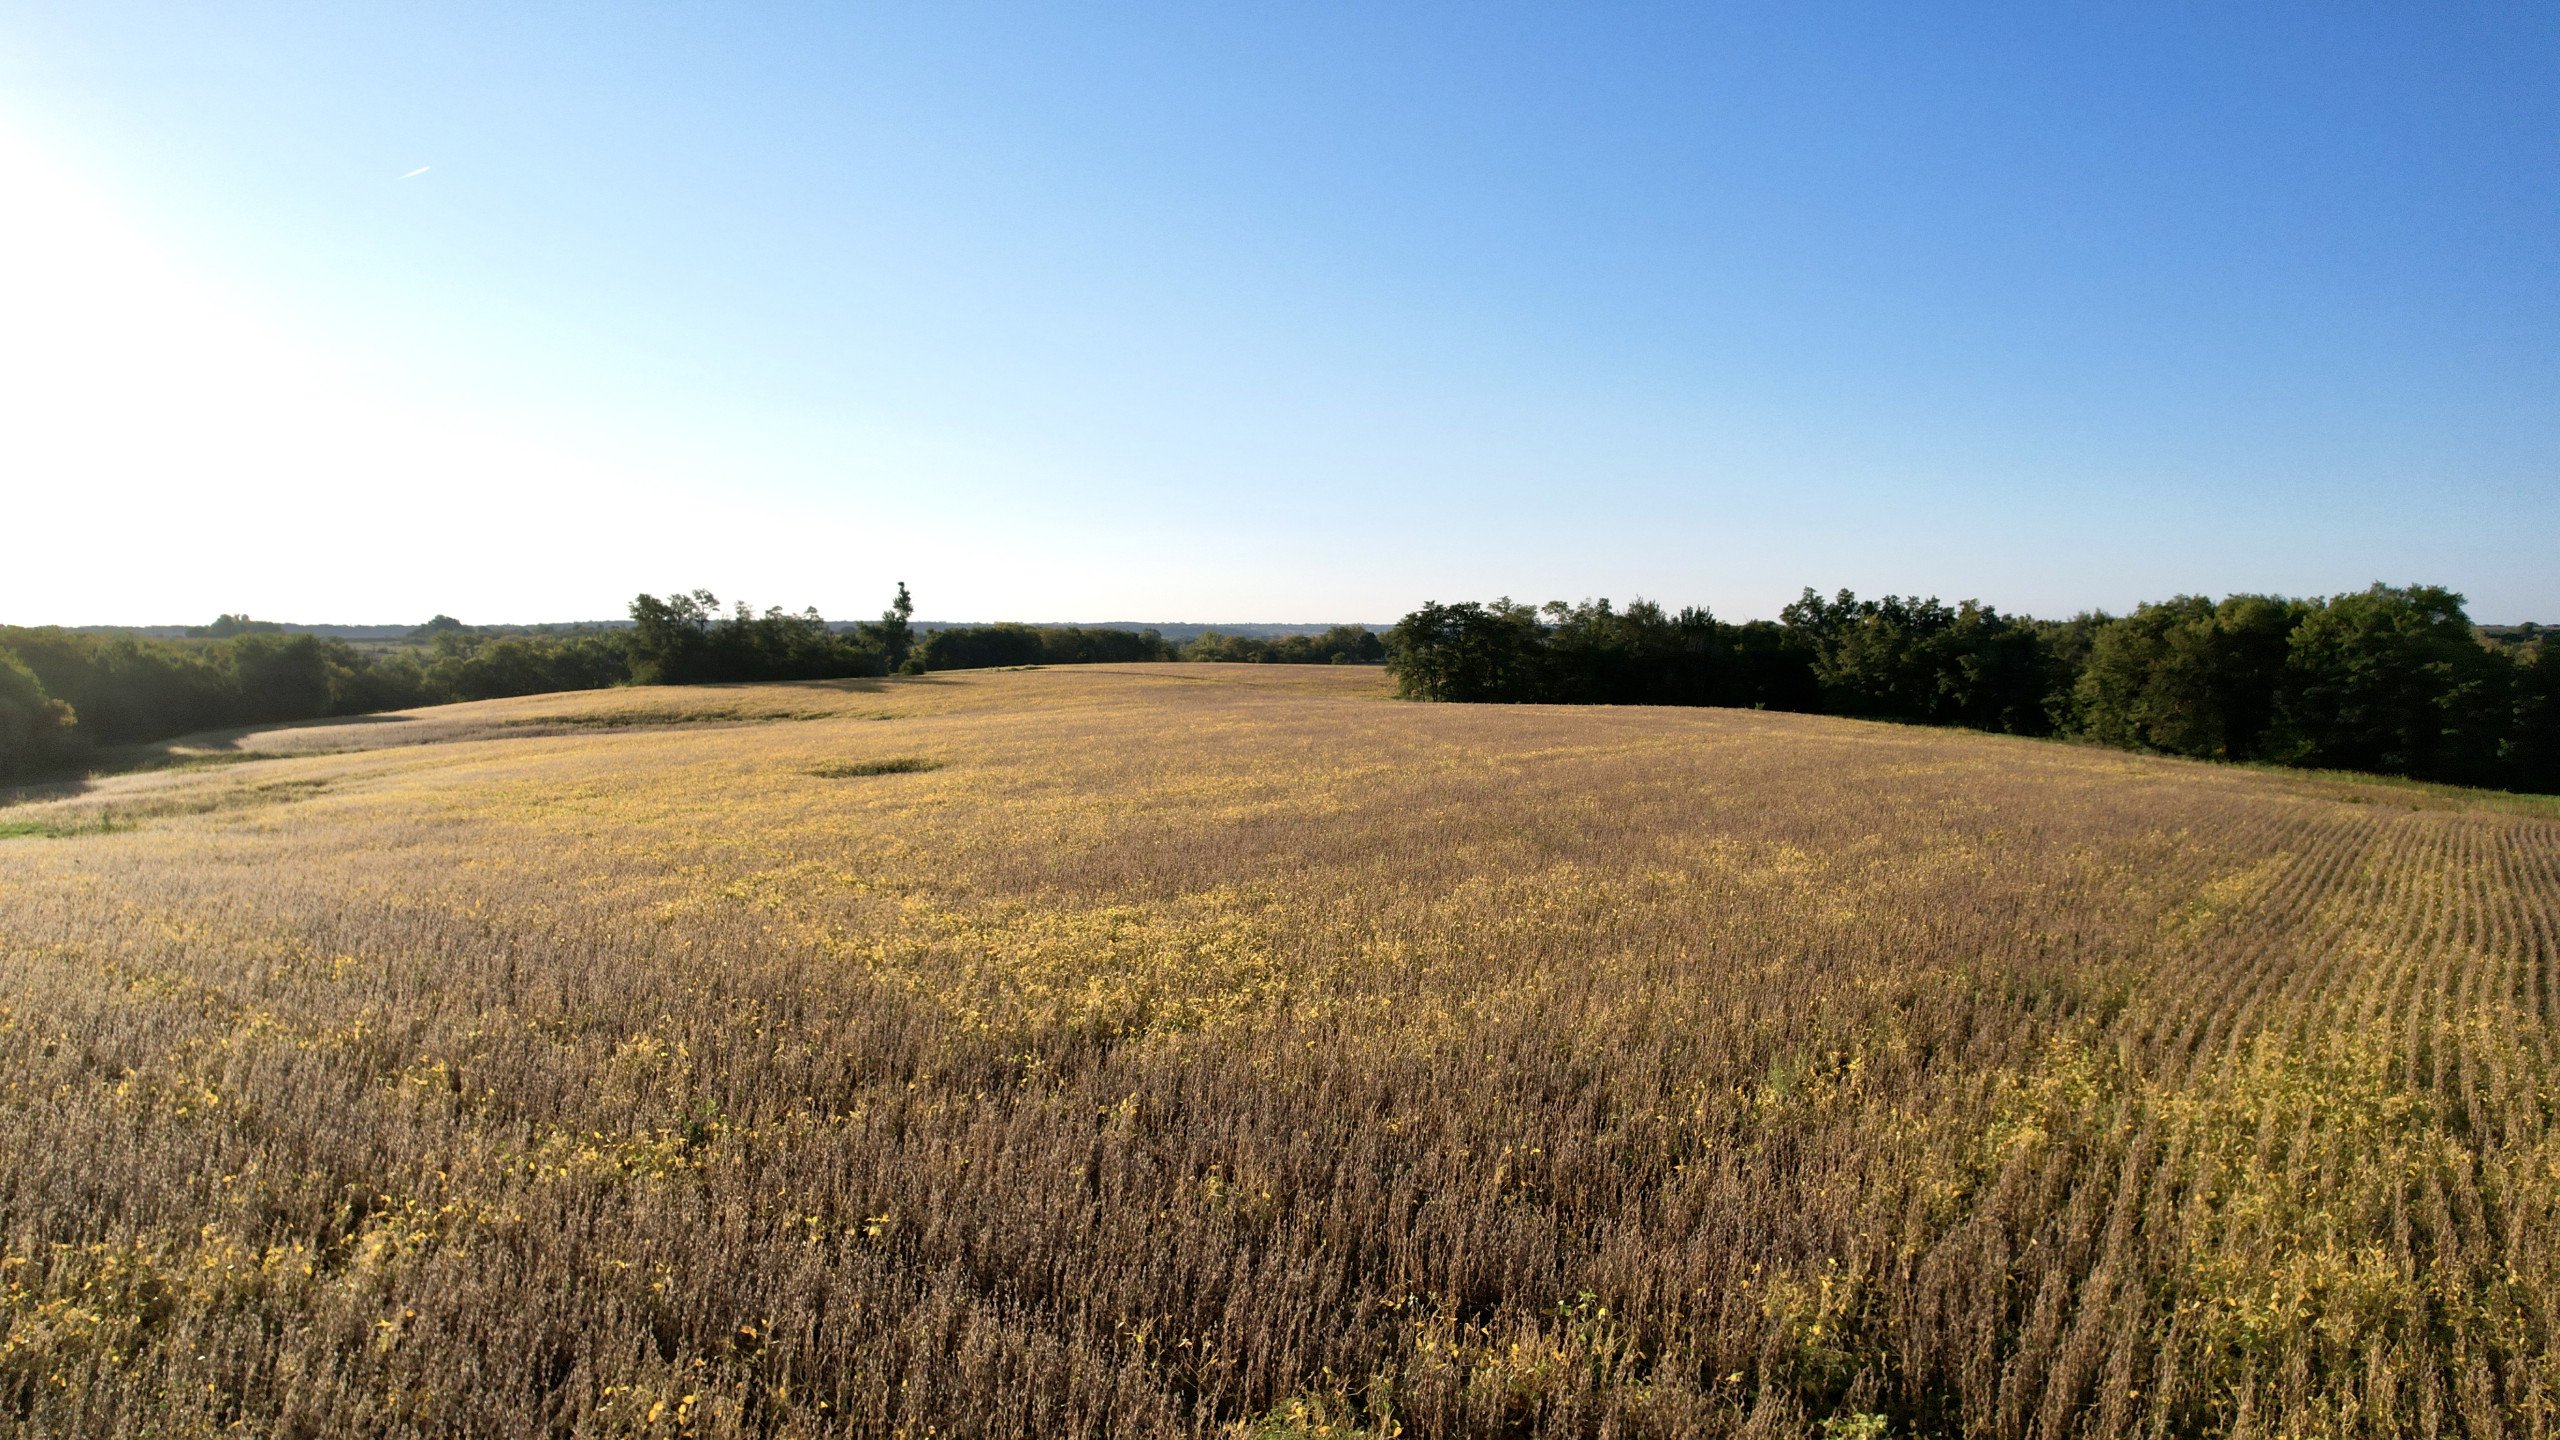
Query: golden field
x,y
1209,1050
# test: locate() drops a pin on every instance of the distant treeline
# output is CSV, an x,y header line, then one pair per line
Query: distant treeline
x,y
1341,645
65,695
982,647
2394,680
978,647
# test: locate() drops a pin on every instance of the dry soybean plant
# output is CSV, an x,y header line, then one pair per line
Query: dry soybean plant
x,y
1155,1051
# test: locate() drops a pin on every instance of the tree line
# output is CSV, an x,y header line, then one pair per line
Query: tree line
x,y
977,647
2395,680
66,695
1340,645
983,647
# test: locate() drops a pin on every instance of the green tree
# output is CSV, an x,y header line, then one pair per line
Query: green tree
x,y
2188,676
683,640
522,665
896,632
283,677
2530,757
670,640
1904,658
2393,679
227,625
2067,646
1469,651
1338,645
33,725
126,689
983,647
1642,655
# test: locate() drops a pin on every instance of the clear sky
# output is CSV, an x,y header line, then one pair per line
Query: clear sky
x,y
1270,312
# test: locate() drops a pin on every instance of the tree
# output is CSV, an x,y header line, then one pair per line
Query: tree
x,y
1469,652
983,647
1597,653
678,641
2531,755
519,665
896,634
2189,677
1904,658
670,640
284,677
227,625
1338,645
126,689
1772,669
2393,679
2067,646
33,725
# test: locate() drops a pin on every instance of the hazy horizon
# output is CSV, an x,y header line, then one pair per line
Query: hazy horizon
x,y
315,311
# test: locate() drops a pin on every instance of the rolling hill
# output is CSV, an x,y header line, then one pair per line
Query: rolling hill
x,y
1197,1049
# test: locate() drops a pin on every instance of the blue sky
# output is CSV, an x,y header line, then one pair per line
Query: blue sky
x,y
1271,312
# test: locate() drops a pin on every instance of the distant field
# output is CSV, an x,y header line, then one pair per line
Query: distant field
x,y
1226,1050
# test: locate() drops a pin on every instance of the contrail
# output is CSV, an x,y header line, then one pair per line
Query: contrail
x,y
414,174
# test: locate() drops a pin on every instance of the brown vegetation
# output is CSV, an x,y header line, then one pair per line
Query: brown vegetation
x,y
1190,1050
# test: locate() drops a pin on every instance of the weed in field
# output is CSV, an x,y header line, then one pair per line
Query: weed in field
x,y
854,769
